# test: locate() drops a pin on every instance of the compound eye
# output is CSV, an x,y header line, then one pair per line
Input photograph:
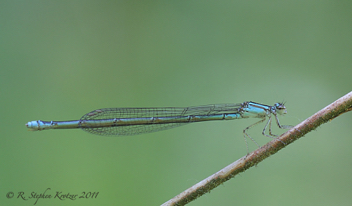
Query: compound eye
x,y
280,108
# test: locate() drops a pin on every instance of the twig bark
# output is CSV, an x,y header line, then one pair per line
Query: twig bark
x,y
335,109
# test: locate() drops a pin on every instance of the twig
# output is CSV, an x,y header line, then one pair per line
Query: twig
x,y
340,106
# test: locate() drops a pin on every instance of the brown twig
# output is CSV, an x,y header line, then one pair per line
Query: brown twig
x,y
335,109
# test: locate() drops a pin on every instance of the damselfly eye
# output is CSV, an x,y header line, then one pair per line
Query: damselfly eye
x,y
280,108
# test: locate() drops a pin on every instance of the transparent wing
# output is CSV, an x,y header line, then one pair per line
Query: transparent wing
x,y
123,113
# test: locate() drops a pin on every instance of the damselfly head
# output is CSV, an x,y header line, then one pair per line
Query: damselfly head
x,y
280,108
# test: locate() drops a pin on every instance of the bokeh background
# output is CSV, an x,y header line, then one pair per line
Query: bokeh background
x,y
63,59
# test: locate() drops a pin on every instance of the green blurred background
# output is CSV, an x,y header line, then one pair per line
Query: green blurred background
x,y
63,59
